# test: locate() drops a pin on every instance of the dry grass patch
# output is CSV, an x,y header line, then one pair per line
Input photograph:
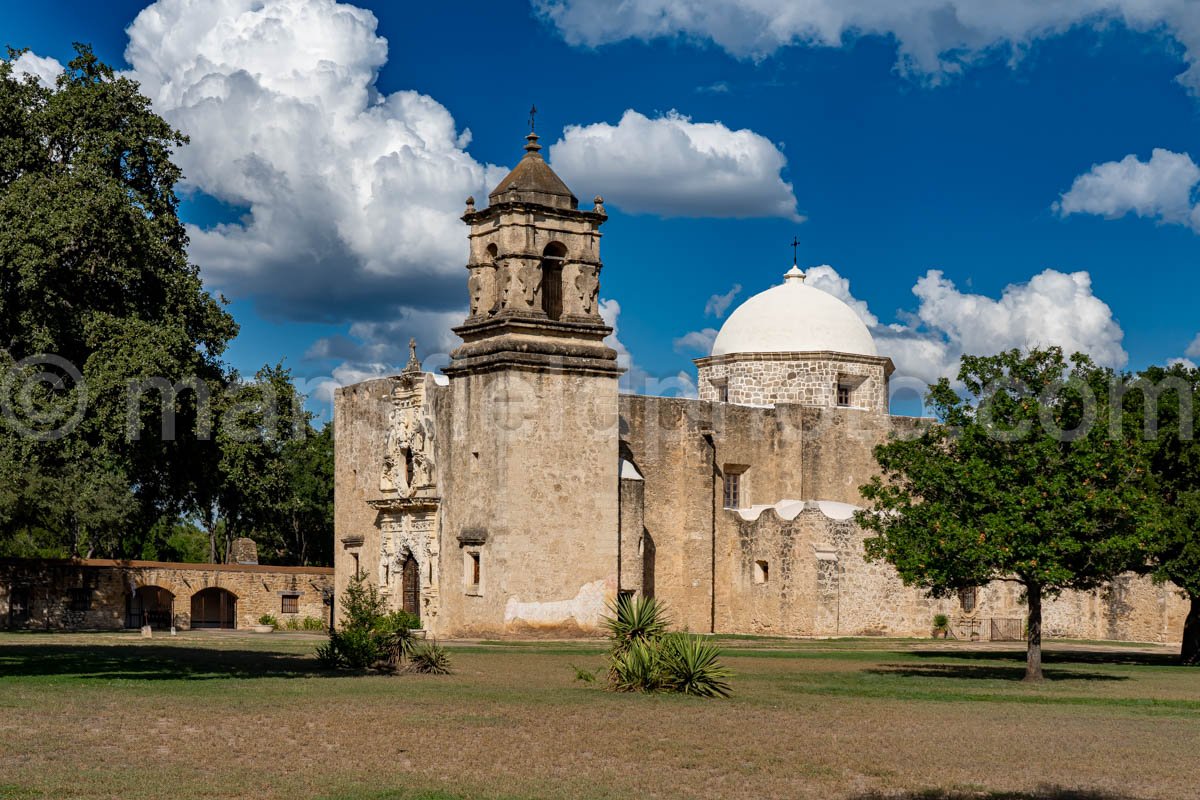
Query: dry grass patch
x,y
211,715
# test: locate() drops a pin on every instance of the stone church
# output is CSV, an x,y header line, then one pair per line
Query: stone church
x,y
518,493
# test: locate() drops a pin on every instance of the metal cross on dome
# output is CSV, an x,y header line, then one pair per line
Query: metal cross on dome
x,y
795,244
532,114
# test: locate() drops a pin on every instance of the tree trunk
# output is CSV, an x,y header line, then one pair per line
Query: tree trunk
x,y
1190,652
1033,655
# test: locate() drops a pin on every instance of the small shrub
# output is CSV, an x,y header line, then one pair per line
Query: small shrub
x,y
690,666
645,658
581,674
312,624
267,619
369,636
292,624
429,658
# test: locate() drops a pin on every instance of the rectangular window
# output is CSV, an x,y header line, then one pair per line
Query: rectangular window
x,y
472,571
733,490
723,393
843,394
18,605
289,604
80,599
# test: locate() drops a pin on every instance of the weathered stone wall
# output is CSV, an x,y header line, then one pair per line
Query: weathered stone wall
x,y
819,583
258,590
809,379
531,486
360,422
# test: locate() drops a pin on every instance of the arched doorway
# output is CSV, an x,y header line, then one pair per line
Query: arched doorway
x,y
552,279
410,585
149,605
214,607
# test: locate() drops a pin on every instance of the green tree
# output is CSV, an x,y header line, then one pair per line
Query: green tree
x,y
94,272
1162,405
1021,481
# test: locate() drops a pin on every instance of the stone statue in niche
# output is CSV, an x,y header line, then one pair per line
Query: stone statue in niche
x,y
475,290
407,464
530,278
587,289
482,289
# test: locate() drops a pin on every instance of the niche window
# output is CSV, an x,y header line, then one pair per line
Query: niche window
x,y
552,279
733,489
289,604
967,598
80,599
762,571
472,572
18,604
844,393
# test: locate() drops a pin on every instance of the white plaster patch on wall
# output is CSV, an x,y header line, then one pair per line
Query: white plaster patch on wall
x,y
585,608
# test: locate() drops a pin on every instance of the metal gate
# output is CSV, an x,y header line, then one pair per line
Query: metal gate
x,y
1008,630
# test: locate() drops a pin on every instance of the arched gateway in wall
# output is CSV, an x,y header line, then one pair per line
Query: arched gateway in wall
x,y
214,607
149,605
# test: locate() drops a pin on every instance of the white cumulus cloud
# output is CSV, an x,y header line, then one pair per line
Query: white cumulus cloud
x,y
718,304
934,38
1161,188
672,166
46,70
352,195
1193,349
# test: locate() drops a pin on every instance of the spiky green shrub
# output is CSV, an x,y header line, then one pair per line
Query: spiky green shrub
x,y
429,658
312,624
644,657
689,665
635,619
267,619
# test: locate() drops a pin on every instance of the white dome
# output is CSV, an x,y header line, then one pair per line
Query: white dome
x,y
793,317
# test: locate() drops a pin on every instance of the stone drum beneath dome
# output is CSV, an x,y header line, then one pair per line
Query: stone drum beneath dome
x,y
795,344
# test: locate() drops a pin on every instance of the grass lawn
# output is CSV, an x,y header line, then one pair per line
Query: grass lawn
x,y
224,715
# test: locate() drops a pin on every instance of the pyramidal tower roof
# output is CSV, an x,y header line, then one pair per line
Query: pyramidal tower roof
x,y
532,181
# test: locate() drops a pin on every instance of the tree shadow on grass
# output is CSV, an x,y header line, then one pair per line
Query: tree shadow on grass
x,y
151,662
1093,657
1043,793
992,673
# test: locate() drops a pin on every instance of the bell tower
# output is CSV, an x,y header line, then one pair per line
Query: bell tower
x,y
534,277
532,487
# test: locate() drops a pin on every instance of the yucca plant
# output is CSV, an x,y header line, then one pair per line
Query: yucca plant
x,y
646,658
689,666
638,668
430,659
635,619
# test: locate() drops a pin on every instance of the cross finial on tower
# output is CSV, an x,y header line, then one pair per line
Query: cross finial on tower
x,y
795,244
531,138
414,364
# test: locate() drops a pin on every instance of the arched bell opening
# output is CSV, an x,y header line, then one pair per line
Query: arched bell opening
x,y
553,258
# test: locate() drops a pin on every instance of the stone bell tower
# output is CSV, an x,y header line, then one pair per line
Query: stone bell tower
x,y
532,485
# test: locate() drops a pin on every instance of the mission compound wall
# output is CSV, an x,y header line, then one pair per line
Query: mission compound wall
x,y
91,594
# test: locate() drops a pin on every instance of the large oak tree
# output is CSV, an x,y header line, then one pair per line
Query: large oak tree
x,y
1021,480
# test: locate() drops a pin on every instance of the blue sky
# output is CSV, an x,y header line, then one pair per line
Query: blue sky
x,y
897,167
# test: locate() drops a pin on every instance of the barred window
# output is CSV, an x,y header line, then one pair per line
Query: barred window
x,y
967,598
80,599
733,490
843,394
289,604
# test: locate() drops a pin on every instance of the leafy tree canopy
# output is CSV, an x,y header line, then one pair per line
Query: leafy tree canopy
x,y
1021,481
